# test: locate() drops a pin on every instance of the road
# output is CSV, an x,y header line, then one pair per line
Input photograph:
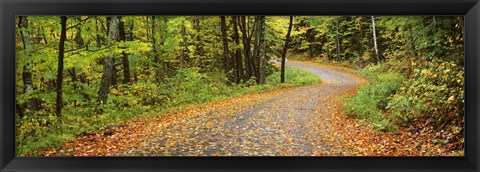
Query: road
x,y
294,122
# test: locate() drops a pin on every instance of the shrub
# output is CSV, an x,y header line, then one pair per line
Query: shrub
x,y
188,86
435,90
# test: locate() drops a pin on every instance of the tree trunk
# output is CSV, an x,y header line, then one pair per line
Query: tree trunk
x,y
155,51
310,39
98,38
223,26
44,37
131,31
238,55
246,48
375,39
284,52
73,75
113,81
61,50
338,42
183,44
26,74
108,63
255,56
163,36
261,49
328,52
126,66
135,74
198,38
79,39
80,44
147,31
154,43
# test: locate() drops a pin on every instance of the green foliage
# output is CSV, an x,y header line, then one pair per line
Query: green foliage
x,y
435,89
188,86
371,100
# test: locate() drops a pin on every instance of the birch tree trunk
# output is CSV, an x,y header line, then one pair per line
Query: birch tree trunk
x,y
375,39
338,42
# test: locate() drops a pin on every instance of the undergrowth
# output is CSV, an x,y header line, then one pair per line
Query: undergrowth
x,y
401,93
372,98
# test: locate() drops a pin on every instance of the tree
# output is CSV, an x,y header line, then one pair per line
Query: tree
x,y
108,62
125,62
80,42
375,39
26,74
338,41
260,38
183,44
198,37
97,31
223,26
310,39
284,52
61,50
239,73
246,42
155,50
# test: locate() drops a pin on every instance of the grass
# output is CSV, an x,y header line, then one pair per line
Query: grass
x,y
140,100
294,77
369,105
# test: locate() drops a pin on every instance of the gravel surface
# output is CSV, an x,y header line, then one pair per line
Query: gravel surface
x,y
294,123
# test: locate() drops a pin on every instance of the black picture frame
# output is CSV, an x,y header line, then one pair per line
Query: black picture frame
x,y
11,8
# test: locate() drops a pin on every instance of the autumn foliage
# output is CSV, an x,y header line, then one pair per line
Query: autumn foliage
x,y
213,85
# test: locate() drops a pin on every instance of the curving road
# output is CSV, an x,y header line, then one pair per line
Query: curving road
x,y
293,123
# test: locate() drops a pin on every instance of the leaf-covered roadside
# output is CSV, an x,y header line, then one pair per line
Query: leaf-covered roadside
x,y
423,100
412,140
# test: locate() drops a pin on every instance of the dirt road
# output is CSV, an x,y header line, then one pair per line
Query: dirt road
x,y
291,123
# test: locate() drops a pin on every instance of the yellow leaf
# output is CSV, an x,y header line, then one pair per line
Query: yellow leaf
x,y
451,98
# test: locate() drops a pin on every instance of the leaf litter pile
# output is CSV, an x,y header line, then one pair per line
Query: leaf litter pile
x,y
299,121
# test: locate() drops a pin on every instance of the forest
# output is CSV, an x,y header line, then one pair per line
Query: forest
x,y
240,85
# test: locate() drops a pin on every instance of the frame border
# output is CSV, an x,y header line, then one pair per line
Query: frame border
x,y
11,8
